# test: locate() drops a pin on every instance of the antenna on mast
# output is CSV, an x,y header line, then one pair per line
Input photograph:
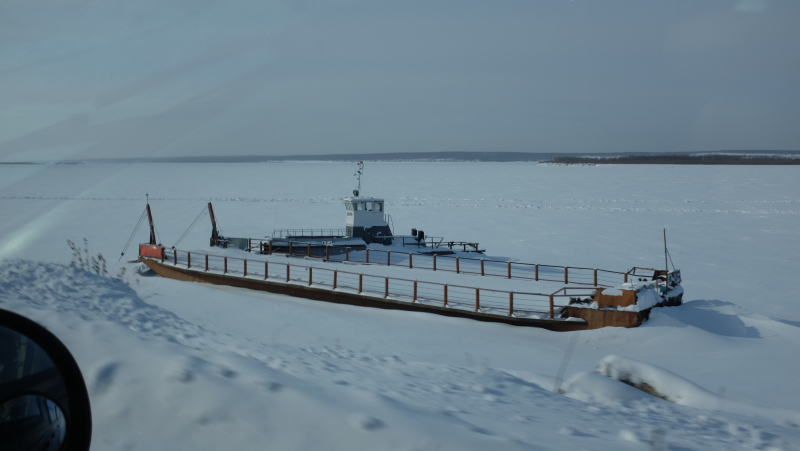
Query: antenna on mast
x,y
666,265
358,177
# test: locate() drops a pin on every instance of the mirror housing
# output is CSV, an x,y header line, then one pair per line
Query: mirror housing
x,y
42,390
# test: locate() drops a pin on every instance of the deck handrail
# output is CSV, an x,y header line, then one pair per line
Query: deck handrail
x,y
597,278
282,233
451,294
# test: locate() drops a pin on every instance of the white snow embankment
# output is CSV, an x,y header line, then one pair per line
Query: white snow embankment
x,y
176,365
157,381
662,383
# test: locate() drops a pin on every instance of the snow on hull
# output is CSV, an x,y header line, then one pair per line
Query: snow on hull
x,y
623,307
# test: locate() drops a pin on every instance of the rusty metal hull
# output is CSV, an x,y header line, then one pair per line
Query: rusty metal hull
x,y
597,318
340,297
151,250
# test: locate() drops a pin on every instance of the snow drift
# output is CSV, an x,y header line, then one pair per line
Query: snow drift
x,y
667,385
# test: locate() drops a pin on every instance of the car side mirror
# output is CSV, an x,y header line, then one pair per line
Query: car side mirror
x,y
44,404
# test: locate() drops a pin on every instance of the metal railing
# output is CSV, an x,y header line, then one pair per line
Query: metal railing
x,y
438,242
431,242
480,300
305,233
459,265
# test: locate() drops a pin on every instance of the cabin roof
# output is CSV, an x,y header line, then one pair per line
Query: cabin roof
x,y
363,199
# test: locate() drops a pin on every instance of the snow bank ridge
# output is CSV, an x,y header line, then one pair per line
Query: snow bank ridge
x,y
67,289
667,385
650,379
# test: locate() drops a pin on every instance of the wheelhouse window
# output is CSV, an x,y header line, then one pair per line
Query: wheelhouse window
x,y
369,206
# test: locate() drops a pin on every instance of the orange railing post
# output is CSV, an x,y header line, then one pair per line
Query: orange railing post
x,y
290,248
388,258
367,256
327,252
625,278
270,247
415,287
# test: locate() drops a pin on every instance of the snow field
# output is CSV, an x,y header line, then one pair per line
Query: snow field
x,y
200,387
172,364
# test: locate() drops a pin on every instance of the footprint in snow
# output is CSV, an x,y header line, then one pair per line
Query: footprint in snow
x,y
104,377
272,387
574,432
364,422
228,373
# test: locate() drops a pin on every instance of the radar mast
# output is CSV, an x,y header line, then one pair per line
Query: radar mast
x,y
358,177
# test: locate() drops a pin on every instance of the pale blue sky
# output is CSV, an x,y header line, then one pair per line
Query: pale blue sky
x,y
157,78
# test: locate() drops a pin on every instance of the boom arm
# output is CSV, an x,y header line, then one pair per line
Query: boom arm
x,y
152,228
214,231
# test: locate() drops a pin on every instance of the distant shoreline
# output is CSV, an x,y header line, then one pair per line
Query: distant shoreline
x,y
727,159
751,157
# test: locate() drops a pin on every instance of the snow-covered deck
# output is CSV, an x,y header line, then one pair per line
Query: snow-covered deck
x,y
478,286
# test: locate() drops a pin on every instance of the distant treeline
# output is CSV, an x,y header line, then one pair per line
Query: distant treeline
x,y
679,159
391,157
716,157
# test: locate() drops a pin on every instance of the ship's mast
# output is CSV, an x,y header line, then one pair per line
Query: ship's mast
x,y
358,177
666,266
